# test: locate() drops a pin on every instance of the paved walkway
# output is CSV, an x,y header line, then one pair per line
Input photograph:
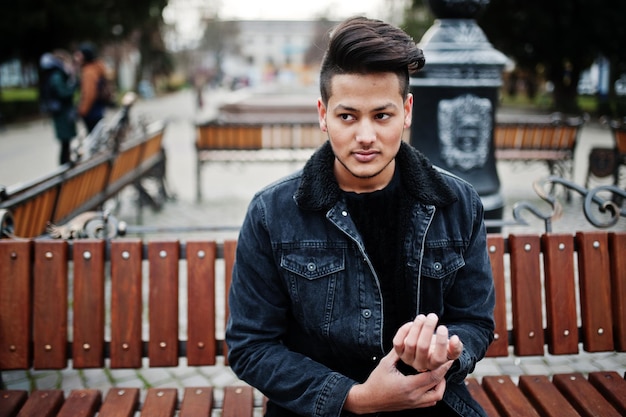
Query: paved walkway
x,y
228,188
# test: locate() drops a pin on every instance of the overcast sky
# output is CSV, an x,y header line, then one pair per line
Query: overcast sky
x,y
186,15
297,9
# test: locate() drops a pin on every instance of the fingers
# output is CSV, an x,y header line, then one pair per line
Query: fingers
x,y
424,345
455,347
433,395
431,386
398,339
440,347
418,341
411,339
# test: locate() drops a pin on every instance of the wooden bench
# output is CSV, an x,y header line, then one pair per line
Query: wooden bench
x,y
254,142
555,293
70,190
551,139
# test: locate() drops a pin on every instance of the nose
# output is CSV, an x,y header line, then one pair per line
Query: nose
x,y
366,132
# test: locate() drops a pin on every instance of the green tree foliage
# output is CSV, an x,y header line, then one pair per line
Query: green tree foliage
x,y
417,19
560,38
30,27
557,39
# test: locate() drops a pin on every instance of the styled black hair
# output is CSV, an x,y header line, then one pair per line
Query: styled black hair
x,y
360,45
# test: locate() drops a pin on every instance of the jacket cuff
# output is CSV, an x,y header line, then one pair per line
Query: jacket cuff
x,y
333,396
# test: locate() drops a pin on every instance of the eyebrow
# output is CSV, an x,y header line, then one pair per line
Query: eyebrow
x,y
343,107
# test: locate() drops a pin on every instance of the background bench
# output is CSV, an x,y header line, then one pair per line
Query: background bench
x,y
540,308
73,189
551,139
254,142
547,139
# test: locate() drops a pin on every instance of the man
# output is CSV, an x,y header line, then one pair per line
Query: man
x,y
345,269
93,76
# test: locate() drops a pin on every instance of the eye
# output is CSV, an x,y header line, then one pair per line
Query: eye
x,y
382,116
347,117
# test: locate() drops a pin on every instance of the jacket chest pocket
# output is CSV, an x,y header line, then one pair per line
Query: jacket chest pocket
x,y
438,263
313,263
314,275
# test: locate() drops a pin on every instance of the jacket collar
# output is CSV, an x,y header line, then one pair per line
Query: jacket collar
x,y
319,189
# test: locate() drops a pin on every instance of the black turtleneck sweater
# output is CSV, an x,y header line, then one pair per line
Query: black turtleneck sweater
x,y
380,218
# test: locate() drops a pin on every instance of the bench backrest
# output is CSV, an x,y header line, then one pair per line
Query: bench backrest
x,y
65,193
535,136
232,136
256,136
183,286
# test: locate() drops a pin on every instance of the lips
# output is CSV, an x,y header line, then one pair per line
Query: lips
x,y
365,156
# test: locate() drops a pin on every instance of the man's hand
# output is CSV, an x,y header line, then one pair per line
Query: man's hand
x,y
387,389
424,346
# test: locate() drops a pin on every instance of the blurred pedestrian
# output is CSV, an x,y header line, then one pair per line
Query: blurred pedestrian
x,y
58,85
93,80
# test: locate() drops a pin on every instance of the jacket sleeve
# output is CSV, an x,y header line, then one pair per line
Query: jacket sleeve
x,y
88,89
470,302
258,323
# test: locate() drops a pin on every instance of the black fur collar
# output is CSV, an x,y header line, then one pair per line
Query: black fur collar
x,y
319,190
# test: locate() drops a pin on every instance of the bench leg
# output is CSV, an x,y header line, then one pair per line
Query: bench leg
x,y
198,180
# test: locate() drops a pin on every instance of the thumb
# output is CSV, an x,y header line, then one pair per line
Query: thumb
x,y
440,373
390,358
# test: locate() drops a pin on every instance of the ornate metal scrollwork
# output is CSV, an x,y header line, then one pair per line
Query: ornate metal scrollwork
x,y
594,202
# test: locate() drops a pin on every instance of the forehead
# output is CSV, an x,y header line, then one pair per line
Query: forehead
x,y
365,86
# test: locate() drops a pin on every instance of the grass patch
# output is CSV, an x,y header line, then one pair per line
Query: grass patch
x,y
19,94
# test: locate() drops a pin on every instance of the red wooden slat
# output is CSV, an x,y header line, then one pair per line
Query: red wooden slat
x,y
120,402
163,303
495,246
238,402
11,401
88,317
526,295
50,305
45,403
15,304
201,349
81,403
562,325
197,402
126,303
612,386
595,291
230,248
160,402
507,397
618,287
545,397
479,395
583,396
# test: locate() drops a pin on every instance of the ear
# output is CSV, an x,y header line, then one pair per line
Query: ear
x,y
408,111
321,114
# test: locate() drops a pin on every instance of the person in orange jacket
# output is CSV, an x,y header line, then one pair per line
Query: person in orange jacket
x,y
93,76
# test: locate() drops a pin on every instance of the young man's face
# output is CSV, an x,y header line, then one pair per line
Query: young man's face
x,y
365,118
